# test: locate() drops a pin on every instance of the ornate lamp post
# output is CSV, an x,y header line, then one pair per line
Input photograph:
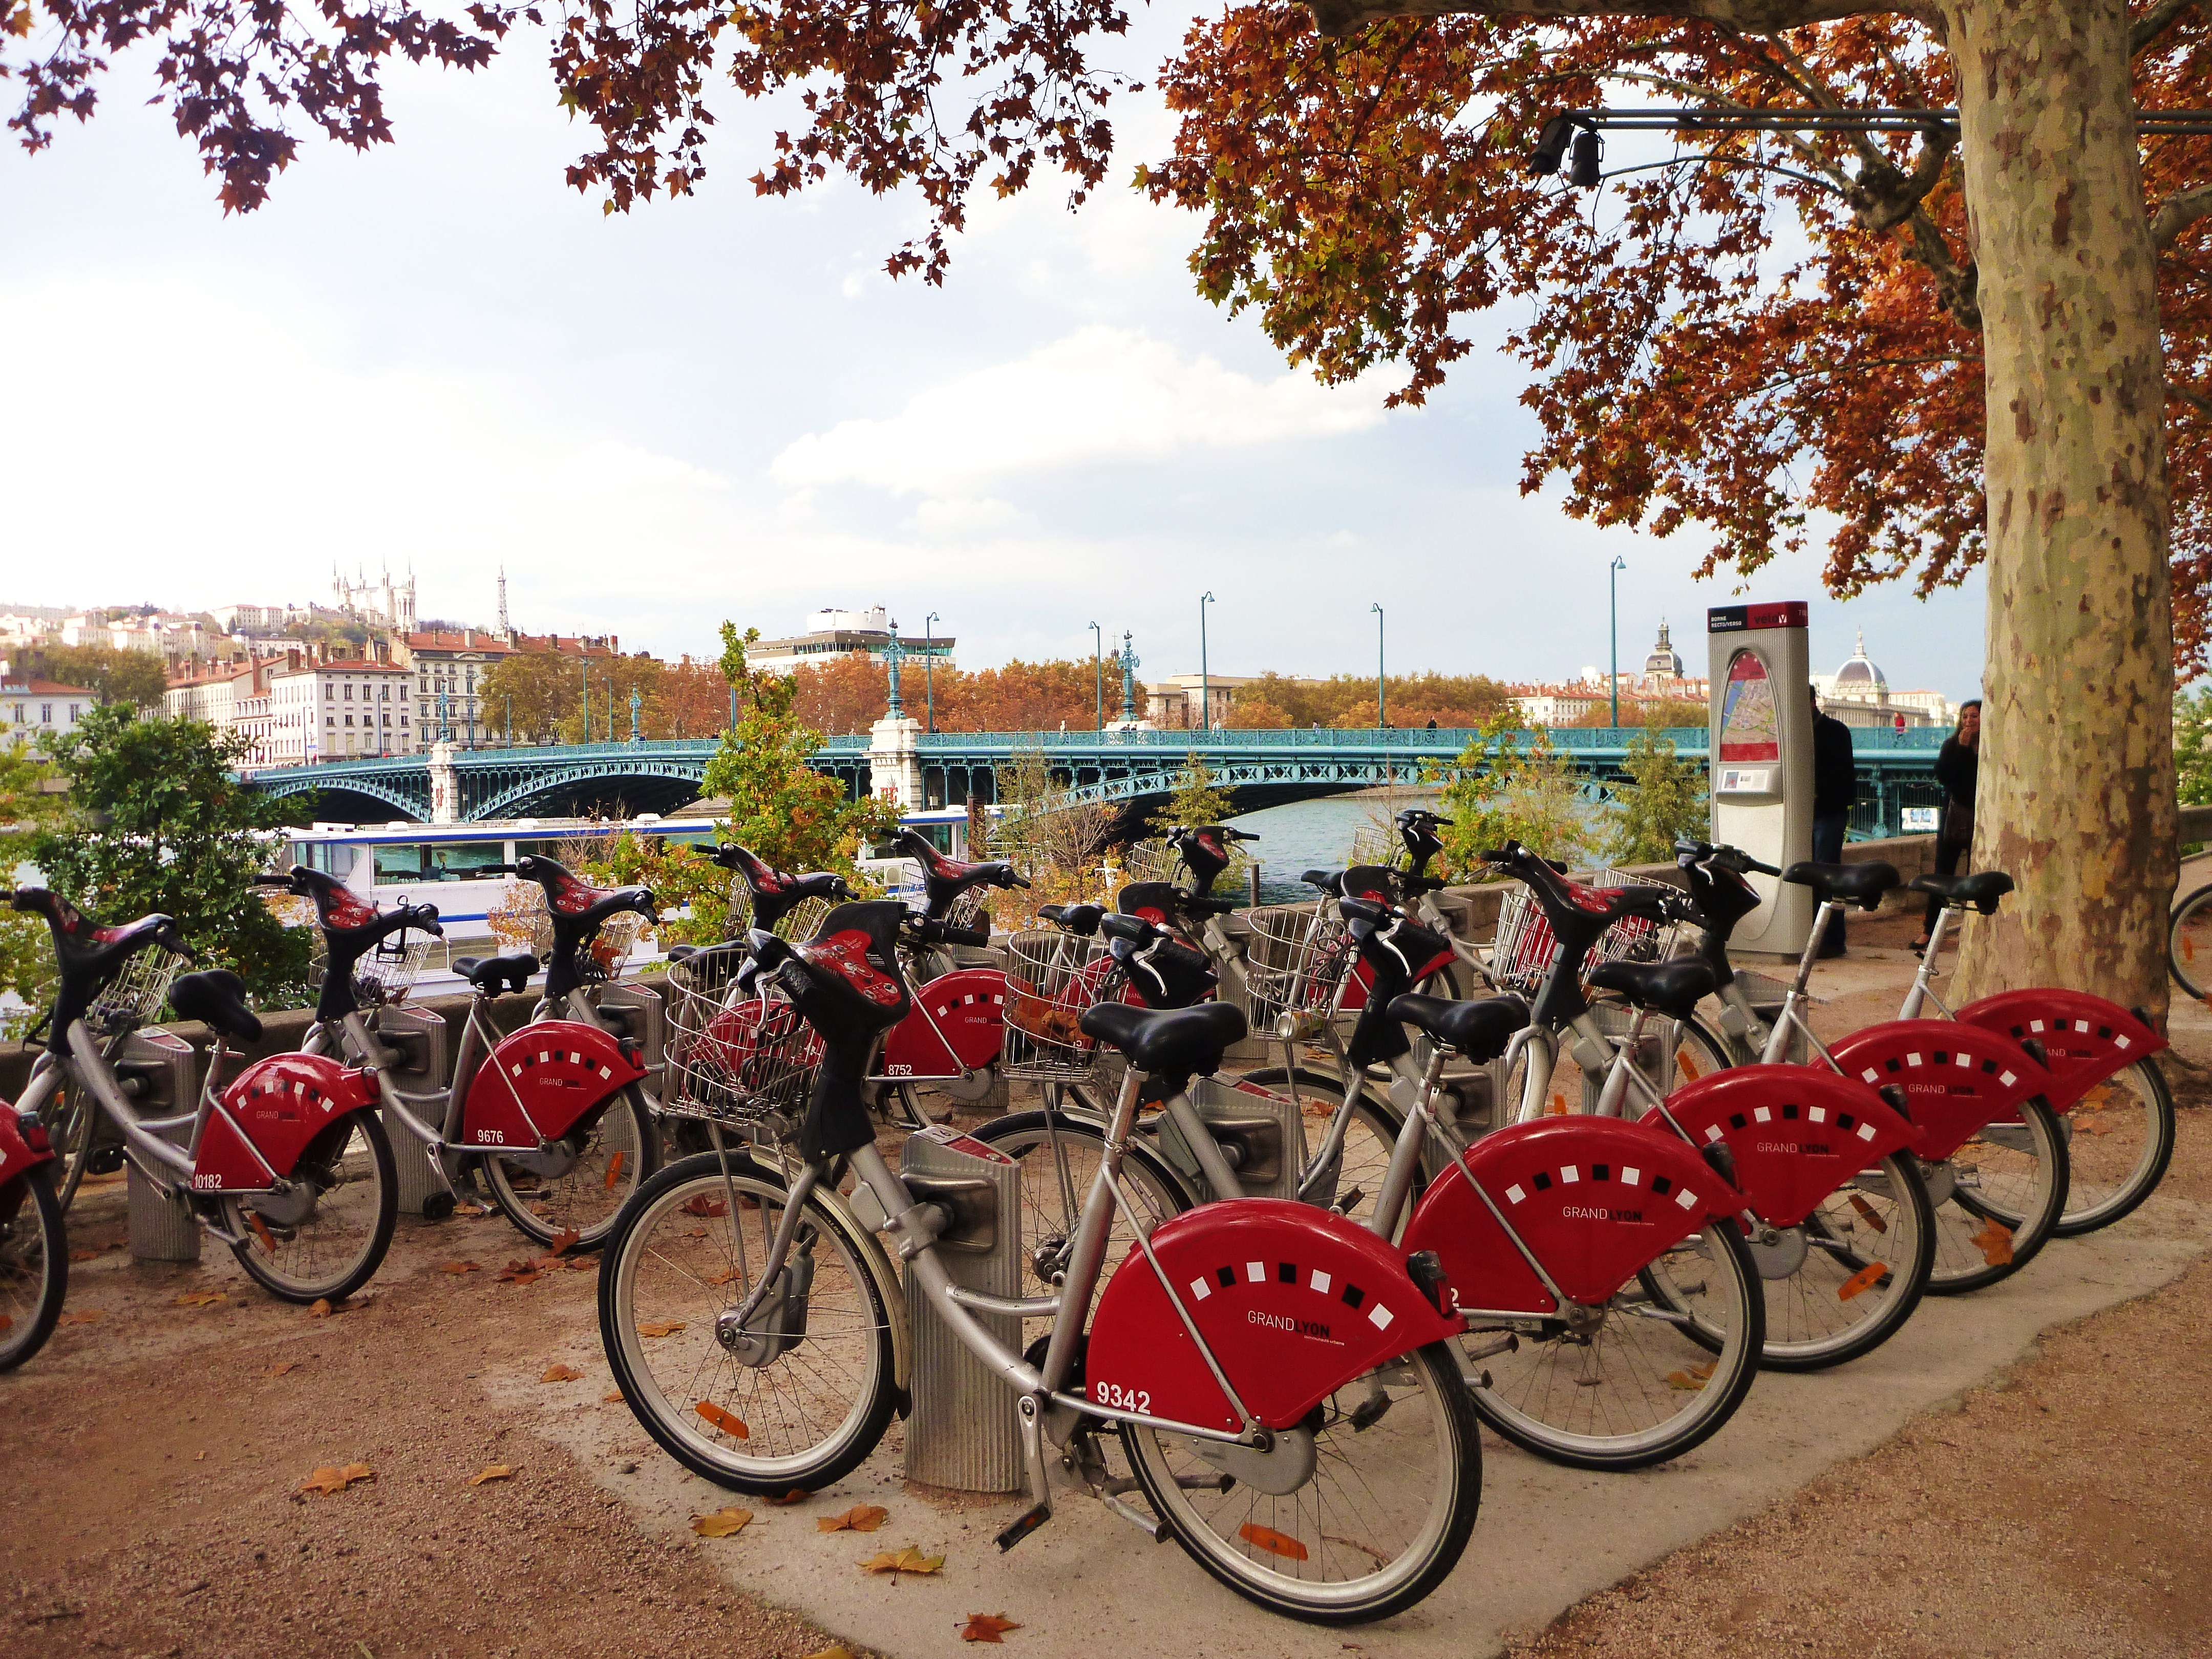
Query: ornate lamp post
x,y
1382,695
1613,683
636,703
894,709
1129,679
1098,672
1205,685
929,666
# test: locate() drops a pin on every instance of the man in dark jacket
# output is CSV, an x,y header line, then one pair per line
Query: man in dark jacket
x,y
1958,769
1835,790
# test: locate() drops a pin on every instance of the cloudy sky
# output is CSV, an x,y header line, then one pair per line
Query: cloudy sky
x,y
437,355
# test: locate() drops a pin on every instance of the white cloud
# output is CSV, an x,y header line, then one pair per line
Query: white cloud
x,y
1098,396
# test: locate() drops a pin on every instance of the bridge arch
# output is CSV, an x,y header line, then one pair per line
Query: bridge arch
x,y
646,786
335,796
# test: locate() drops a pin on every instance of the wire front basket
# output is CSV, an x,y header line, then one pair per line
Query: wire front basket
x,y
1052,977
737,1059
391,968
606,956
1525,947
1294,962
137,993
801,922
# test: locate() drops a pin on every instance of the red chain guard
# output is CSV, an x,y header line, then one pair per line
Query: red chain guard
x,y
970,1006
1956,1078
1593,1199
1797,1132
1293,1302
540,1081
2085,1038
269,1115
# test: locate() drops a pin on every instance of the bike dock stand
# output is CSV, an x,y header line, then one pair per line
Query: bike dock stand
x,y
963,1433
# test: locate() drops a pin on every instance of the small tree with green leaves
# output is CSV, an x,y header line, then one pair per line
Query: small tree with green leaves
x,y
27,805
1198,799
2192,746
1055,842
1664,798
780,809
1510,784
159,823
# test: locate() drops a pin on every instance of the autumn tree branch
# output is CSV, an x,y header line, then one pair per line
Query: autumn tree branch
x,y
1339,17
2155,22
2177,212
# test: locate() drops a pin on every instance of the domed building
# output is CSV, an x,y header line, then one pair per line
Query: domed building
x,y
1664,663
1858,694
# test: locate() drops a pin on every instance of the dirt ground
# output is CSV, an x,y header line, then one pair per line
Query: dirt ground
x,y
156,1450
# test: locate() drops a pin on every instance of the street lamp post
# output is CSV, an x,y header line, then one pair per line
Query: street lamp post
x,y
1204,683
1382,695
586,665
1613,679
929,667
1099,673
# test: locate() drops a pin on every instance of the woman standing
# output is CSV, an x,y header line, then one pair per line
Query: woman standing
x,y
1957,768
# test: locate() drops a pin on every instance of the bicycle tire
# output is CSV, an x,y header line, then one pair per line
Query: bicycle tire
x,y
1239,1561
34,1269
2088,1207
639,1274
1712,1399
2182,958
257,1238
582,1206
70,1128
2029,1226
1377,1124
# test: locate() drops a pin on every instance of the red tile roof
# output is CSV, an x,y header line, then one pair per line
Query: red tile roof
x,y
46,689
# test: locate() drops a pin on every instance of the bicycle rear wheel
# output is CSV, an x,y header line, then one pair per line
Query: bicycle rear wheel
x,y
335,1246
1638,1379
1997,1200
2119,1140
609,1157
2189,943
33,1266
809,1412
1392,1476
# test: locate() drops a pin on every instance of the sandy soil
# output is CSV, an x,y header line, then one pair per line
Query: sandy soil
x,y
154,1455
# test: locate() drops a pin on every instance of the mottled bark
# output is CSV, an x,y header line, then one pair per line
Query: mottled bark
x,y
2077,785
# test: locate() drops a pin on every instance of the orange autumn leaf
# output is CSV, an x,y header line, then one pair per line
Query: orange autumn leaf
x,y
1995,1243
1861,1281
987,1627
86,1255
518,1273
566,1240
909,1559
861,1518
796,1495
560,1374
73,1317
722,1524
613,1397
283,1366
728,1422
489,1473
458,1267
200,1299
660,1327
329,1478
704,1205
614,1167
1275,1543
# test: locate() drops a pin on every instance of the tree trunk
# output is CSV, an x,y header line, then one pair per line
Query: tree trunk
x,y
2077,787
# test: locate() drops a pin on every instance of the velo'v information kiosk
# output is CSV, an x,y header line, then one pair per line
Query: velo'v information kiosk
x,y
1761,750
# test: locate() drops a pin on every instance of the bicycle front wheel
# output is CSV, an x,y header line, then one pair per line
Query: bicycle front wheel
x,y
34,1266
2119,1140
1644,1377
1393,1477
2189,943
1997,1200
325,1237
802,1397
605,1160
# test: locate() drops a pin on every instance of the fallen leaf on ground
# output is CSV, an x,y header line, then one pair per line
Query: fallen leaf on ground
x,y
329,1479
1994,1241
458,1267
861,1518
517,1272
489,1473
87,1255
1694,1379
705,1206
728,1422
660,1327
324,1307
560,1374
1275,1543
840,1652
613,1398
283,1366
723,1278
722,1524
987,1627
75,1317
200,1298
795,1496
566,1240
909,1559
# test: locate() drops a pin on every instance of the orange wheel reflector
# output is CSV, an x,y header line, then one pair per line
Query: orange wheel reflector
x,y
1867,1214
728,1422
1865,1279
261,1228
614,1168
1275,1543
1686,1065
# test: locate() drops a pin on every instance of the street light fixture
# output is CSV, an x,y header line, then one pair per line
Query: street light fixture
x,y
1613,681
1205,685
929,668
1382,695
1099,673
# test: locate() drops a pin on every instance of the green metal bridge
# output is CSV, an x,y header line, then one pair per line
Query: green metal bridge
x,y
1134,769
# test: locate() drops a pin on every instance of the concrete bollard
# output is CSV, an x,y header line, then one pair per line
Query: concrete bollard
x,y
162,1226
963,1433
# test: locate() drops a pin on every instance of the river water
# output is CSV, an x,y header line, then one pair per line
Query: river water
x,y
1318,834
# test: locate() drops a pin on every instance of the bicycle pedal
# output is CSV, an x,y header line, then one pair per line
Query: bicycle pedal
x,y
1023,1525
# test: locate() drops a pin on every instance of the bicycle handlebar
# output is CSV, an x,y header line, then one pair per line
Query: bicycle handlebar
x,y
937,933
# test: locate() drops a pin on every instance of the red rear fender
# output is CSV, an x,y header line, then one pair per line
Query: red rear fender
x,y
1293,1302
23,1144
1957,1078
1797,1132
269,1115
535,1084
968,1005
1593,1199
2085,1038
